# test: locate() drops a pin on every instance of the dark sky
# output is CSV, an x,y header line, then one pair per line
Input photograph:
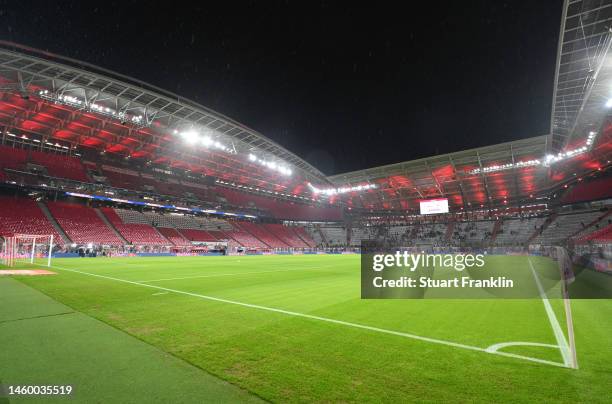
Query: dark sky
x,y
342,85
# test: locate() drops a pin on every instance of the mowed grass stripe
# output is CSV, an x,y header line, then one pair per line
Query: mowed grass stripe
x,y
102,364
324,319
288,359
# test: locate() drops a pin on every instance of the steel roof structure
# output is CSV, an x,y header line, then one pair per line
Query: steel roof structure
x,y
25,71
60,99
583,77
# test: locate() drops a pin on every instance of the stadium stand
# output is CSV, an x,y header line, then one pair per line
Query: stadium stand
x,y
302,234
327,235
174,236
61,166
245,239
516,231
563,226
598,236
599,188
23,216
285,234
262,234
197,235
82,224
472,232
136,234
12,158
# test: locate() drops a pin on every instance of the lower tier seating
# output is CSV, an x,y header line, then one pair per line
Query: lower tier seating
x,y
285,234
197,235
23,216
174,236
262,234
82,224
136,234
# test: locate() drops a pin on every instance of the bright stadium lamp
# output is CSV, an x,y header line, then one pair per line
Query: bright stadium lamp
x,y
609,103
207,141
190,136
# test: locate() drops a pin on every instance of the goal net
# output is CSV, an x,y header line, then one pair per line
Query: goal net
x,y
27,249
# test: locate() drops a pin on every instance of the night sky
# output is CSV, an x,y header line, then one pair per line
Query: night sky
x,y
344,86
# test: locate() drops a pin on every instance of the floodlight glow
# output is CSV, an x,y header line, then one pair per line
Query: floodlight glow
x,y
190,136
609,103
252,157
206,141
341,190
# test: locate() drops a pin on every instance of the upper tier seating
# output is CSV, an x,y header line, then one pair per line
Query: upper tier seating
x,y
280,209
599,188
286,235
123,179
23,216
12,158
262,234
136,234
82,224
61,166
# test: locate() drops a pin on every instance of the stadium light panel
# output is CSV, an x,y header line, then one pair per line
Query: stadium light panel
x,y
190,136
609,103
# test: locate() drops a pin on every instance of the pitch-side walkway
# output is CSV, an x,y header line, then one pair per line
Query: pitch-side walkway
x,y
44,342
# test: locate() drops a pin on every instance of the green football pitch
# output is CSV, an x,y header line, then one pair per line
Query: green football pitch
x,y
293,328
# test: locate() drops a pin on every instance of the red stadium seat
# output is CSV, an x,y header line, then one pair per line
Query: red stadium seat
x,y
136,234
82,224
23,216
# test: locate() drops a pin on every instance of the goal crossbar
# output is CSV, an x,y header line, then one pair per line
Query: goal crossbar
x,y
27,248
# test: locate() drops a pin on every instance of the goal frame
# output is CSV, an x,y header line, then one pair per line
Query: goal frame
x,y
10,250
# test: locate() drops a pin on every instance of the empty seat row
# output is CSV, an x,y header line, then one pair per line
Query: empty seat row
x,y
82,224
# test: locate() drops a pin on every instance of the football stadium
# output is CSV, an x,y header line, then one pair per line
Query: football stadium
x,y
155,250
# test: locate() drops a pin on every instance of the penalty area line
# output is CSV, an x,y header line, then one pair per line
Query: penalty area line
x,y
324,319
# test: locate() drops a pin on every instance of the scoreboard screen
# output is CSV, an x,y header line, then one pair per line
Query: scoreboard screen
x,y
433,206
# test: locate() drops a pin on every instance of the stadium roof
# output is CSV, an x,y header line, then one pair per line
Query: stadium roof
x,y
152,114
583,76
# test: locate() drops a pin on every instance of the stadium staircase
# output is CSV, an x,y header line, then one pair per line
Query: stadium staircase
x,y
321,233
261,234
304,236
284,234
23,216
135,234
54,223
496,227
174,236
449,231
110,225
539,231
82,224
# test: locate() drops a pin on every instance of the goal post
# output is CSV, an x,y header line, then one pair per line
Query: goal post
x,y
27,249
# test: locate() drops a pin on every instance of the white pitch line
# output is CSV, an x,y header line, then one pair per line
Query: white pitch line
x,y
325,319
232,274
554,323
